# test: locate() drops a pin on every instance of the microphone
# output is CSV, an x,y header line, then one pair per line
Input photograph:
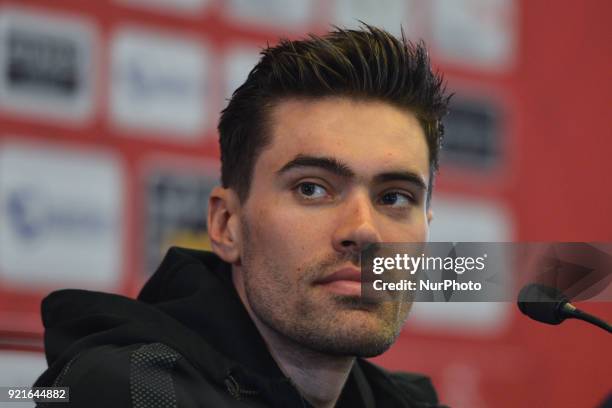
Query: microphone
x,y
548,305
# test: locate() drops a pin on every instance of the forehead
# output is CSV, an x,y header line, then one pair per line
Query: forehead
x,y
370,136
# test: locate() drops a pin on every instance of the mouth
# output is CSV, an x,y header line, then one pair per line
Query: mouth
x,y
345,281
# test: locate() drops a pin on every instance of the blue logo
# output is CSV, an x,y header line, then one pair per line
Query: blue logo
x,y
144,85
32,217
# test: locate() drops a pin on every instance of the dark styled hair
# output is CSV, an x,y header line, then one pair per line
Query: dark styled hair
x,y
364,64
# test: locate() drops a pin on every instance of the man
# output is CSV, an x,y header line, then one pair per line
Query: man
x,y
330,145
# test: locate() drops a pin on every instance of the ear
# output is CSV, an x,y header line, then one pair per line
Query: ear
x,y
429,215
224,224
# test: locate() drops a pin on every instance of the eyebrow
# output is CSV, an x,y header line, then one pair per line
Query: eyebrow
x,y
330,164
341,169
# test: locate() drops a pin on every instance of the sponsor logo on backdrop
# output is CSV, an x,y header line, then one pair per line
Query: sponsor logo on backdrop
x,y
20,369
293,15
180,6
239,62
475,33
466,219
387,14
176,205
61,212
159,84
473,134
46,66
480,34
34,218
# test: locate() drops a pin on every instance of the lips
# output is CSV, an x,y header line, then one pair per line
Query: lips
x,y
343,282
344,274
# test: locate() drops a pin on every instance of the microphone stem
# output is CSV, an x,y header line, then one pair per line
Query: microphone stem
x,y
579,314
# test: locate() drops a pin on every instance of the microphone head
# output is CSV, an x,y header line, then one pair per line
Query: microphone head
x,y
542,303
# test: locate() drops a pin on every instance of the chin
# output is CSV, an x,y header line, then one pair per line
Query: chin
x,y
359,336
358,346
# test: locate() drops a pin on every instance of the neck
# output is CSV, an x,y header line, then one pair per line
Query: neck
x,y
319,377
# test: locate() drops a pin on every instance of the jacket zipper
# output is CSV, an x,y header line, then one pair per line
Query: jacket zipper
x,y
235,390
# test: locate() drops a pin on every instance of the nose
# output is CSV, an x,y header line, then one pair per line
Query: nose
x,y
356,226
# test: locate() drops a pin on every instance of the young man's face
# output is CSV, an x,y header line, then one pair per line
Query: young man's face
x,y
338,175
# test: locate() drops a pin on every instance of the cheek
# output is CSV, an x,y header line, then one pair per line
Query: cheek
x,y
416,231
294,234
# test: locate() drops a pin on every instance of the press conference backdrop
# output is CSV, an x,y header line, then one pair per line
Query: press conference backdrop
x,y
108,150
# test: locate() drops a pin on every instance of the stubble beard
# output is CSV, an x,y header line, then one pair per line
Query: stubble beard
x,y
322,322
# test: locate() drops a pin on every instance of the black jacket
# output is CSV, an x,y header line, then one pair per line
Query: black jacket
x,y
186,342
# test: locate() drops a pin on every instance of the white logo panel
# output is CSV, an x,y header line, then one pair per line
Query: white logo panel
x,y
239,62
293,15
475,33
159,83
179,6
61,217
46,64
385,14
462,219
20,369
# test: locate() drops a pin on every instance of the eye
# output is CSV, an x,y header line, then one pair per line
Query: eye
x,y
311,191
397,199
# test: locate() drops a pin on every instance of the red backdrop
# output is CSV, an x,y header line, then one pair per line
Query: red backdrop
x,y
554,183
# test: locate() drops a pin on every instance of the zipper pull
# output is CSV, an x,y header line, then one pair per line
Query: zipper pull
x,y
232,387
